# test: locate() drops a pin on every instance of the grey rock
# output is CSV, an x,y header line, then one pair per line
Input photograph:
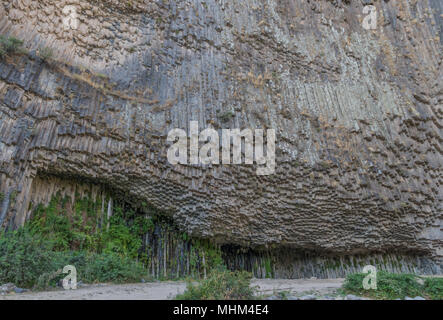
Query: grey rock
x,y
272,298
19,290
308,297
408,298
293,298
419,298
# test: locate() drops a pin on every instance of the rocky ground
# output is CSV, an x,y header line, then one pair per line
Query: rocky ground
x,y
269,289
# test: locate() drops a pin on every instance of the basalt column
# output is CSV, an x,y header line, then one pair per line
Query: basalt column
x,y
357,113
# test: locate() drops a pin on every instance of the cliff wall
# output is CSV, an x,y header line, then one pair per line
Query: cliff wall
x,y
358,117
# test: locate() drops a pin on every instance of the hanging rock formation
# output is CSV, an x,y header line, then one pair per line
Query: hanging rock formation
x,y
358,117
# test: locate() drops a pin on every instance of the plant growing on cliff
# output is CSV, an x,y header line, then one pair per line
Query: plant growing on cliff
x,y
45,53
120,239
55,227
225,116
78,231
73,230
10,45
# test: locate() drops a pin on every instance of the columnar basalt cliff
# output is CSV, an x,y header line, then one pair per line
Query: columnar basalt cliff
x,y
358,116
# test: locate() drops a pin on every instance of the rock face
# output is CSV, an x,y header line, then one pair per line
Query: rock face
x,y
358,117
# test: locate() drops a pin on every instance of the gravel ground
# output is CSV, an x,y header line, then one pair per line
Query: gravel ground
x,y
168,289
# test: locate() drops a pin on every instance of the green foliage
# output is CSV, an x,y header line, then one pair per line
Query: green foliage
x,y
212,254
45,53
101,267
29,260
283,295
10,45
58,235
392,286
92,268
102,76
225,116
22,256
268,268
107,267
53,225
221,284
13,195
79,231
434,288
120,238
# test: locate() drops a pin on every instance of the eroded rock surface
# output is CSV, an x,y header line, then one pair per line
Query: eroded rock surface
x,y
358,116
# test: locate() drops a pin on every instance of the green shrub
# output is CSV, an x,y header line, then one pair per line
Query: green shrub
x,y
221,284
23,257
120,238
434,288
30,260
77,233
10,45
107,267
45,53
55,227
225,116
393,286
101,248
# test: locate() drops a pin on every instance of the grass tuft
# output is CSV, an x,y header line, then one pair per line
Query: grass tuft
x,y
392,286
221,284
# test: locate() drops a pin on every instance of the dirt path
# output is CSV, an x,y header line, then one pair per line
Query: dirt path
x,y
298,286
168,289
